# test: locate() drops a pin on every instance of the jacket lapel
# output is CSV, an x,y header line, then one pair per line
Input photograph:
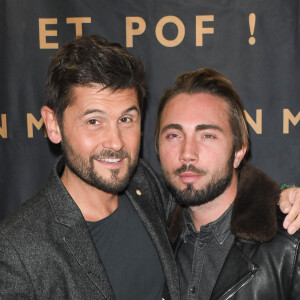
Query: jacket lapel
x,y
81,246
74,231
238,270
156,228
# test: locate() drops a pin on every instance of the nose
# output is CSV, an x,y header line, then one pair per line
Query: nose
x,y
113,138
189,151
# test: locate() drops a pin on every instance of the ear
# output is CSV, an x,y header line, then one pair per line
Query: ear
x,y
51,124
239,155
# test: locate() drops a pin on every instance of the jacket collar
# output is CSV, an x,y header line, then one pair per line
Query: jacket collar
x,y
63,206
254,209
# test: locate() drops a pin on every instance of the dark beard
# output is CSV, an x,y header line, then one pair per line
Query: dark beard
x,y
85,170
192,197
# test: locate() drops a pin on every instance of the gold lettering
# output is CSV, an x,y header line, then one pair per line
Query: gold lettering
x,y
32,121
159,31
78,24
288,116
43,33
130,32
3,128
200,30
256,125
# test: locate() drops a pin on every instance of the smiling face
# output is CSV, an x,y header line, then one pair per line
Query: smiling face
x,y
100,137
196,147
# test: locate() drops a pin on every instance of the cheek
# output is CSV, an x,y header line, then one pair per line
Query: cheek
x,y
86,146
213,158
167,156
218,156
85,142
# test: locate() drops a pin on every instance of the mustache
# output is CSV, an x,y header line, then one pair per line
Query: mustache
x,y
111,154
191,168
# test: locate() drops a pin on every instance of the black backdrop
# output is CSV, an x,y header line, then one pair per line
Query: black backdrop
x,y
171,37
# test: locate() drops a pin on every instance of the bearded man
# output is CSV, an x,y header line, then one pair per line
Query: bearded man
x,y
97,230
228,238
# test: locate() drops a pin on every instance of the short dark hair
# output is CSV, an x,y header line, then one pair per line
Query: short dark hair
x,y
212,82
90,60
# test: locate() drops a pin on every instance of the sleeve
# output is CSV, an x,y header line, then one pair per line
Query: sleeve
x,y
15,282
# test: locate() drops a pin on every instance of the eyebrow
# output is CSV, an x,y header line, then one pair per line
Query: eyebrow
x,y
91,111
132,108
171,126
198,127
208,126
99,111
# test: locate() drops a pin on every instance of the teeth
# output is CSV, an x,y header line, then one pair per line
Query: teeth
x,y
110,160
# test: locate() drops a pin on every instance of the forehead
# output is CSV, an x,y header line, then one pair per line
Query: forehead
x,y
191,110
93,97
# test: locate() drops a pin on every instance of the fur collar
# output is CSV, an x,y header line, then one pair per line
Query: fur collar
x,y
254,209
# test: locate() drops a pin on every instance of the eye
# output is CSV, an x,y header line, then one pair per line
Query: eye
x,y
208,136
93,122
125,120
171,136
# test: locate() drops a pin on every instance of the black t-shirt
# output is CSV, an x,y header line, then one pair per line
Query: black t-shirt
x,y
128,254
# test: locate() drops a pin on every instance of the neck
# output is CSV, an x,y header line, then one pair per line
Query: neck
x,y
94,204
211,211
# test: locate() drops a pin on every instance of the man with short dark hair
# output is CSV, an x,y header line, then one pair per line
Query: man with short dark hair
x,y
97,230
227,239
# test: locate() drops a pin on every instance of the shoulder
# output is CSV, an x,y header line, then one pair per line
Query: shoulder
x,y
22,233
148,181
156,181
146,175
145,169
26,217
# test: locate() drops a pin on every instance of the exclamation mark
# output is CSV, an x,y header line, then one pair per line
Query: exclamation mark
x,y
252,19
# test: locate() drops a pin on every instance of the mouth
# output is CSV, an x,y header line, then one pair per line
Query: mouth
x,y
114,162
189,177
109,160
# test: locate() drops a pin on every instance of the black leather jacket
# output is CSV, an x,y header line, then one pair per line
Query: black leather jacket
x,y
263,262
